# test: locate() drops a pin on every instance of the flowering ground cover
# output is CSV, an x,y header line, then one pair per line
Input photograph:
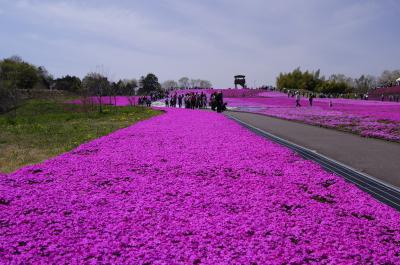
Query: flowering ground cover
x,y
367,118
240,93
189,187
386,91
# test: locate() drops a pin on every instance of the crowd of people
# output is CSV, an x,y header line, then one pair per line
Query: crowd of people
x,y
189,100
194,100
145,101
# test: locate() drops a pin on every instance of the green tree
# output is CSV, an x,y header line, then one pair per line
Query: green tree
x,y
299,80
9,96
68,83
45,77
149,84
127,87
24,74
334,87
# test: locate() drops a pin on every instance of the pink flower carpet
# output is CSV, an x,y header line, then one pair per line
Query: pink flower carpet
x,y
189,187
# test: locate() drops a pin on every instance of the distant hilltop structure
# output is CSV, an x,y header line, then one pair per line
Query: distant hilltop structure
x,y
240,80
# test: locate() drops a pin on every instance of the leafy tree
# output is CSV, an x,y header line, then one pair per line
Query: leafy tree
x,y
15,74
45,77
149,84
141,84
9,96
299,80
24,74
334,87
68,83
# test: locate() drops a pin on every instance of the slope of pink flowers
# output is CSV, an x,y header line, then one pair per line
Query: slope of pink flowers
x,y
189,187
367,118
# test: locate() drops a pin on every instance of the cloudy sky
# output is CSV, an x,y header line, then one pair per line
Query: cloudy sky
x,y
209,39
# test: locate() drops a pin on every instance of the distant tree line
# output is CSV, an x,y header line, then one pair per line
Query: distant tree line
x,y
336,83
186,83
17,75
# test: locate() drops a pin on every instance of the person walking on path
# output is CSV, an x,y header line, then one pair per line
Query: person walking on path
x,y
310,99
298,97
148,102
180,101
219,101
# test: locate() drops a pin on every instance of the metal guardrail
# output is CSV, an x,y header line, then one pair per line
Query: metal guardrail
x,y
380,190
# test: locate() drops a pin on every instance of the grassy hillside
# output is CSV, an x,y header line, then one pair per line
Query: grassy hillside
x,y
45,128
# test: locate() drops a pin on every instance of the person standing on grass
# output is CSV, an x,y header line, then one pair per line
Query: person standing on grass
x,y
298,97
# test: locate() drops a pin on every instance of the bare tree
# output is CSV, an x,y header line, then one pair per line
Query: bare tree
x,y
341,78
184,82
169,84
130,86
194,83
205,84
365,83
388,77
96,85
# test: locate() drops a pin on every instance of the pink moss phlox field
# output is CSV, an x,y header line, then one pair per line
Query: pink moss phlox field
x,y
367,118
189,187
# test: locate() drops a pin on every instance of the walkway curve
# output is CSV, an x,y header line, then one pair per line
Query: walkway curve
x,y
379,189
375,157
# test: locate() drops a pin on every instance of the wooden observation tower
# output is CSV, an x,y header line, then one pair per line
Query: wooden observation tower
x,y
240,80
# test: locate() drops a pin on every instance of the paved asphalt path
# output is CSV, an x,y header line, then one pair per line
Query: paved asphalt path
x,y
377,158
